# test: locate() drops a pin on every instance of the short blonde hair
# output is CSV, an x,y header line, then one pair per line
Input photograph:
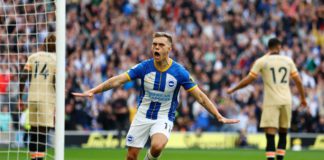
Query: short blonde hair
x,y
163,34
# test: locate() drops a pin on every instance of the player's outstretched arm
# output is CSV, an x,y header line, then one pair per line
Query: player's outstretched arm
x,y
206,103
300,88
247,80
112,82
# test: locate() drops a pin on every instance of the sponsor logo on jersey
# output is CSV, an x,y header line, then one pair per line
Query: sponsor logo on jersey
x,y
158,96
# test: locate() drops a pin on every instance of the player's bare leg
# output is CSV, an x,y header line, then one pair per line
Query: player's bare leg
x,y
270,130
158,142
271,148
132,153
281,148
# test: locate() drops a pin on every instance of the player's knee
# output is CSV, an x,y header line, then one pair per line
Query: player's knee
x,y
157,148
132,155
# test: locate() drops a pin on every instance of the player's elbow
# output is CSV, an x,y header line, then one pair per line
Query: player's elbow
x,y
116,84
203,103
297,80
117,81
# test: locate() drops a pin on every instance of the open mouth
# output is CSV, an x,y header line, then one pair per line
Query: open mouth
x,y
156,54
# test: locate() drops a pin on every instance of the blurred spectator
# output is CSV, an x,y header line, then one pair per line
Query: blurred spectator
x,y
201,117
4,82
106,118
5,119
320,127
121,112
70,118
242,139
24,123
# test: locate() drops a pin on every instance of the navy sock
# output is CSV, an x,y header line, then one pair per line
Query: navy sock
x,y
270,149
281,146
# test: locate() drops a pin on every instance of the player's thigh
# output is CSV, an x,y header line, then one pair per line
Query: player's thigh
x,y
33,116
162,129
285,116
270,117
46,114
138,134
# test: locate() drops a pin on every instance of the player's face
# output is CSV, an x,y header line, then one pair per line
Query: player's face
x,y
161,48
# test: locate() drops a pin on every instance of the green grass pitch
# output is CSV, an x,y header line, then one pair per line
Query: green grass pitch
x,y
174,154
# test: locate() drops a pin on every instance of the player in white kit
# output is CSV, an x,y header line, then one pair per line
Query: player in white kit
x,y
161,79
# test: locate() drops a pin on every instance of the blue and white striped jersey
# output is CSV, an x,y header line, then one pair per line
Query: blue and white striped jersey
x,y
159,96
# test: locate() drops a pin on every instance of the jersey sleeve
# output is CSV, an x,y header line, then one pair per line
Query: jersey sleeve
x,y
293,69
136,72
187,81
28,65
256,67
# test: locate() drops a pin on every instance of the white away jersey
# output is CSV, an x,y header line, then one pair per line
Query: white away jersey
x,y
160,90
42,66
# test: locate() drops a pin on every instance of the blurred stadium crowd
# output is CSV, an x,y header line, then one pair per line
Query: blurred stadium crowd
x,y
216,40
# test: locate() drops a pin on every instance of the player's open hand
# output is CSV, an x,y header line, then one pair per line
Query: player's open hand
x,y
84,94
228,121
303,103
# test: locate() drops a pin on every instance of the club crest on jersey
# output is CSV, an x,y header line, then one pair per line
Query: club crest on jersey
x,y
171,83
130,138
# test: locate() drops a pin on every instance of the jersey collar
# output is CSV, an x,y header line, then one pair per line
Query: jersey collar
x,y
164,69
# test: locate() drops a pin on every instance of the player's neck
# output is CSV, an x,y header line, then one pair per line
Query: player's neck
x,y
163,65
272,53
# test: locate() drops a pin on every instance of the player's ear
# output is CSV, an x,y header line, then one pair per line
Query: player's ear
x,y
170,47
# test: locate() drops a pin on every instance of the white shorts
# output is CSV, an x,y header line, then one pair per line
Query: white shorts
x,y
140,130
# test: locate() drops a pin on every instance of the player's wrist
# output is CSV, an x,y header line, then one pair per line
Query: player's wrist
x,y
219,117
92,92
231,90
